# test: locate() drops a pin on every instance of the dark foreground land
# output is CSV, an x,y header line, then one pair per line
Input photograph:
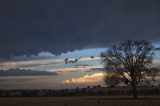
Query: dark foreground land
x,y
81,101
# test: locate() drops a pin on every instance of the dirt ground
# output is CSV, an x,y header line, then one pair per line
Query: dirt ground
x,y
80,101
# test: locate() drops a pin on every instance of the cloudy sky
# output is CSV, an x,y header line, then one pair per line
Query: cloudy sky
x,y
37,35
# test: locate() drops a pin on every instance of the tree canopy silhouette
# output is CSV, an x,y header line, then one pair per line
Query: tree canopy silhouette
x,y
130,61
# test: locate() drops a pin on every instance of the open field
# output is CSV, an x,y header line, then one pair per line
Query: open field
x,y
88,91
81,101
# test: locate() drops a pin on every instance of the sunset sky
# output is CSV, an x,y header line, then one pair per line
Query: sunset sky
x,y
36,36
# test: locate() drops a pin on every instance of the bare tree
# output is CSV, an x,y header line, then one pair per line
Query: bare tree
x,y
112,80
130,61
153,72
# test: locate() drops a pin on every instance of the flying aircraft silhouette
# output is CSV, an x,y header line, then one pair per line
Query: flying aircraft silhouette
x,y
92,57
67,60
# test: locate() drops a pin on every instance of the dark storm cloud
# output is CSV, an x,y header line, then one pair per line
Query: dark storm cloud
x,y
23,72
32,26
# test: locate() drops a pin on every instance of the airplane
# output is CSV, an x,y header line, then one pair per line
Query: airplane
x,y
92,57
67,60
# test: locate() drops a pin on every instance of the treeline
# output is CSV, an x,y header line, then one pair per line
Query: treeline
x,y
95,91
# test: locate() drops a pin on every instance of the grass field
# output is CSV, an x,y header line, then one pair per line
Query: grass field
x,y
81,101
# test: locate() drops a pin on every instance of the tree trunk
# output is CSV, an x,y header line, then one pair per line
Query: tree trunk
x,y
134,91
